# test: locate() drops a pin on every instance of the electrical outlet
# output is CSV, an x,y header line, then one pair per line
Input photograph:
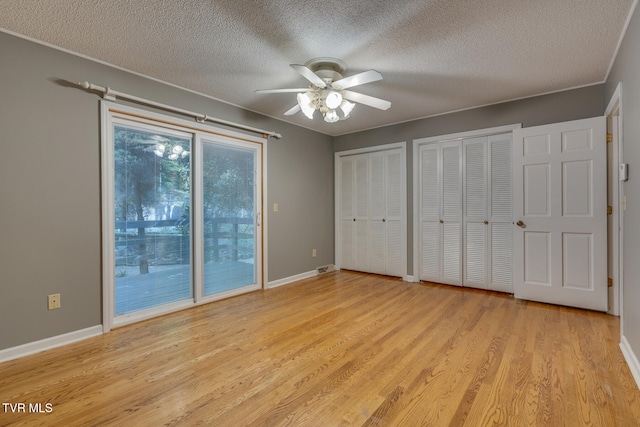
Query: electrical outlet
x,y
313,253
54,301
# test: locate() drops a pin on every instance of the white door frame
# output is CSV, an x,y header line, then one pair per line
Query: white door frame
x,y
416,183
614,127
338,192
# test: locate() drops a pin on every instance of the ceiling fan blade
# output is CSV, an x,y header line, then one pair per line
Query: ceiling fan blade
x,y
357,79
282,90
292,110
378,103
309,75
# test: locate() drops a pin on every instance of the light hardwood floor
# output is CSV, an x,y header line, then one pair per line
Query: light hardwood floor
x,y
341,349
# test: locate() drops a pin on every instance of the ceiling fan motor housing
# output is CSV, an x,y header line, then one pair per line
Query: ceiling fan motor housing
x,y
328,69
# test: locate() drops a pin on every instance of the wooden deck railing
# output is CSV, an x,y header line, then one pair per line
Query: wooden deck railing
x,y
221,241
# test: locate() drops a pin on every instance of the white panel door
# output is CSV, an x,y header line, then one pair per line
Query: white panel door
x,y
560,202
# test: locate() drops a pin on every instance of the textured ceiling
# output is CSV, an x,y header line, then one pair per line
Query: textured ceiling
x,y
436,56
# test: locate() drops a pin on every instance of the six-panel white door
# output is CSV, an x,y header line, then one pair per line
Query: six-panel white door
x,y
560,234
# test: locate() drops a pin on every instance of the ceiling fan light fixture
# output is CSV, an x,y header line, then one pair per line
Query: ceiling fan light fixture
x,y
346,107
333,99
305,101
328,90
331,116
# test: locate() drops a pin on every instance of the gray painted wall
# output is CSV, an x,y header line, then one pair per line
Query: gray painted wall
x,y
626,69
557,107
50,188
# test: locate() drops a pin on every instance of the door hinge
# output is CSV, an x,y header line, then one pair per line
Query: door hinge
x,y
609,137
609,210
610,282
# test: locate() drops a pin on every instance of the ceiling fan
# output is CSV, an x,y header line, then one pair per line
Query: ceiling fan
x,y
327,90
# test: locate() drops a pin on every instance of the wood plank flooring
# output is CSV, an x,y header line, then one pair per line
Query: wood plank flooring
x,y
342,349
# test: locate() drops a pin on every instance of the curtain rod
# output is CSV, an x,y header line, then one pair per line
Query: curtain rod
x,y
110,94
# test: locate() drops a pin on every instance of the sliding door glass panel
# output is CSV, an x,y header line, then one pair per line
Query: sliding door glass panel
x,y
229,206
152,193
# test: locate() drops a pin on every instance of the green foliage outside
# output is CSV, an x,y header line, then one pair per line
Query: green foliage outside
x,y
153,171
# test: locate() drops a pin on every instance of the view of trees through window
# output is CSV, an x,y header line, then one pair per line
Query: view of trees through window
x,y
153,185
228,207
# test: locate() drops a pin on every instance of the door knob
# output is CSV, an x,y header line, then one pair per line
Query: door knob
x,y
520,224
441,222
384,220
486,222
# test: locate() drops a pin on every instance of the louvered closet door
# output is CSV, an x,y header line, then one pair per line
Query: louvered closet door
x,y
385,212
465,212
347,212
361,212
393,213
451,213
500,211
377,231
430,241
476,222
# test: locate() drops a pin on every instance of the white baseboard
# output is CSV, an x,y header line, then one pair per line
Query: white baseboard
x,y
411,279
631,359
291,279
49,343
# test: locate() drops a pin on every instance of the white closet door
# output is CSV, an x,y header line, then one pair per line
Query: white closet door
x,y
347,212
500,213
475,212
465,212
378,202
451,214
393,212
361,210
385,212
431,247
370,199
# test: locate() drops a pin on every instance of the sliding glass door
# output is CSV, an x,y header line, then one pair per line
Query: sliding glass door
x,y
182,207
229,200
152,236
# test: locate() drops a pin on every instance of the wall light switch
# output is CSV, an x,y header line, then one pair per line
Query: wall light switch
x,y
275,207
